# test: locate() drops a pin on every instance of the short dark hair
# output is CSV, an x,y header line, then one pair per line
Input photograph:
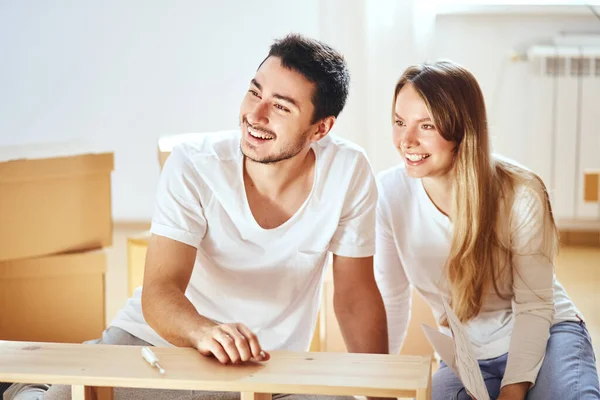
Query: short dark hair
x,y
321,65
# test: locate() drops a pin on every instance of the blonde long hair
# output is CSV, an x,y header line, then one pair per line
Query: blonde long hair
x,y
480,252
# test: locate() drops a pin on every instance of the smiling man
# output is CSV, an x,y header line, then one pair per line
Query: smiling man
x,y
244,222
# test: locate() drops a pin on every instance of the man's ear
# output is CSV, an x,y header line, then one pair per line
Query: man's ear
x,y
323,128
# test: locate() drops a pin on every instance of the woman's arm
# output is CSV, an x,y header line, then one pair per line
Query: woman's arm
x,y
533,243
391,278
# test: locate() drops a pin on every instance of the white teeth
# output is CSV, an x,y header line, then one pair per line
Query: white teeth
x,y
417,157
258,135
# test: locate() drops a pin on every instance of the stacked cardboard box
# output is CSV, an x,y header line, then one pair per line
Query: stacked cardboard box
x,y
55,221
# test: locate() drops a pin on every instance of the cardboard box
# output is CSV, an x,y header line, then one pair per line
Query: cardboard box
x,y
53,299
55,199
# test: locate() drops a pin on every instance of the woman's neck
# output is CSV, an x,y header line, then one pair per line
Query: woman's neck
x,y
439,189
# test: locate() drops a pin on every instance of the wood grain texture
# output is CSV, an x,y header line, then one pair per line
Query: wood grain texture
x,y
286,372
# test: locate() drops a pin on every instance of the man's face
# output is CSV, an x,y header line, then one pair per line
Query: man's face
x,y
276,114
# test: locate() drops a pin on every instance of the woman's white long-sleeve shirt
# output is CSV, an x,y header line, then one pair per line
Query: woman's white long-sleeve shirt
x,y
413,244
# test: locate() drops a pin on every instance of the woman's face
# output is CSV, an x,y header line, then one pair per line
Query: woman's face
x,y
424,150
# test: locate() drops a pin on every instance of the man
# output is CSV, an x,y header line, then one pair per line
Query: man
x,y
244,222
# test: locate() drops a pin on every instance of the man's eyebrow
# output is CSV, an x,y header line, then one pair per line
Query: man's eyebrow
x,y
287,99
255,83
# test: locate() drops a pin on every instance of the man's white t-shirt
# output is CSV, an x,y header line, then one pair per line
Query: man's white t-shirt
x,y
267,279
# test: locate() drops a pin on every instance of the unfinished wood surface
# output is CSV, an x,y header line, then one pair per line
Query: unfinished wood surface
x,y
425,393
286,372
256,396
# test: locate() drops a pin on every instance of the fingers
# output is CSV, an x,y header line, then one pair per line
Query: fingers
x,y
264,356
211,346
252,340
232,343
240,341
228,344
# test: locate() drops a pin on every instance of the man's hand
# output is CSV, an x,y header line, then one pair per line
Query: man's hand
x,y
230,343
170,313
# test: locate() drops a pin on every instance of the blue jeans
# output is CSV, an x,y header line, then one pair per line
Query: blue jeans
x,y
567,373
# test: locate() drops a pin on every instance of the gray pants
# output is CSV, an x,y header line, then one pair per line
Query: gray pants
x,y
118,336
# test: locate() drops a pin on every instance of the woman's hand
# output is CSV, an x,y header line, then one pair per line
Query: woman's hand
x,y
516,391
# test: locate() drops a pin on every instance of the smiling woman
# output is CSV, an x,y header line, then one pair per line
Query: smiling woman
x,y
417,138
458,223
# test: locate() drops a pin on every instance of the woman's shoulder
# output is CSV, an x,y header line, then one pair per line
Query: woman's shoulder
x,y
527,186
527,198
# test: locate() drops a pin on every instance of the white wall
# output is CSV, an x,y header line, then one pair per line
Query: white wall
x,y
124,73
483,44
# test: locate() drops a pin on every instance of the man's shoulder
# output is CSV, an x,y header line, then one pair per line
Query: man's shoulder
x,y
394,178
344,158
342,147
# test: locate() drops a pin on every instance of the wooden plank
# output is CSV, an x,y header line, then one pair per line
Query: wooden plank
x,y
256,396
340,374
425,394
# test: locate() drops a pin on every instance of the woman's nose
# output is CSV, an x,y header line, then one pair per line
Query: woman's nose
x,y
409,139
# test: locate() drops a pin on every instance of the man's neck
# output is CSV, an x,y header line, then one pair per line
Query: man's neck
x,y
272,179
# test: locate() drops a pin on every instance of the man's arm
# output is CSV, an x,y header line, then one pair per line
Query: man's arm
x,y
358,305
168,311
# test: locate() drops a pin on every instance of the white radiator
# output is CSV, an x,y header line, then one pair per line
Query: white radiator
x,y
566,130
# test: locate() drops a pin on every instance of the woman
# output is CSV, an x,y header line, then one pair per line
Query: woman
x,y
457,222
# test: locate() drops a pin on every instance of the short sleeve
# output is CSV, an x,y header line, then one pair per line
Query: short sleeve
x,y
178,212
355,234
